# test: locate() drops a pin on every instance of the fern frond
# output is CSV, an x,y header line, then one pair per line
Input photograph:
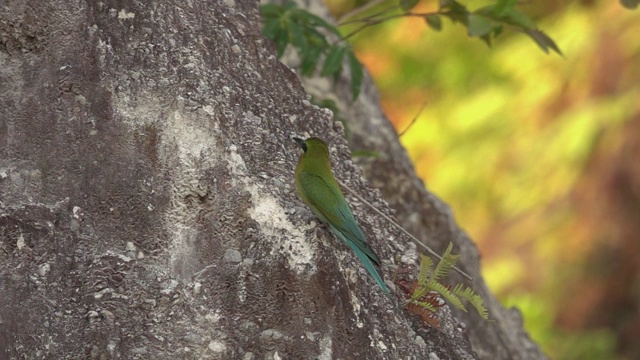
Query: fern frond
x,y
426,270
474,299
425,305
445,265
418,292
449,296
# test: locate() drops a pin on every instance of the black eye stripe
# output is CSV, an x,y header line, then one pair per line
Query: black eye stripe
x,y
302,143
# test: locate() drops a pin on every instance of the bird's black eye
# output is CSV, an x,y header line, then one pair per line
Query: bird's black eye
x,y
302,143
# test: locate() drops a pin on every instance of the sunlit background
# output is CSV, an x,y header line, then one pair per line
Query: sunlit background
x,y
539,156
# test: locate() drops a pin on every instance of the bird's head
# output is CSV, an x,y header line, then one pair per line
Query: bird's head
x,y
313,146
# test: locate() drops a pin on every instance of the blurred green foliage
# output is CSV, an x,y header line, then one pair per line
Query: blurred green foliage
x,y
529,150
313,38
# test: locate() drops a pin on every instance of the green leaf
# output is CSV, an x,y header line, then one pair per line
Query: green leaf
x,y
445,265
502,7
428,281
504,12
434,21
424,277
281,40
474,299
333,62
426,270
271,11
426,305
516,17
630,4
497,30
487,39
479,25
271,28
357,74
452,5
315,38
310,60
454,11
509,15
314,20
298,38
544,41
447,295
407,5
489,11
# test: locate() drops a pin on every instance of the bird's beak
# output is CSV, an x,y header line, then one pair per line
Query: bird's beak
x,y
302,143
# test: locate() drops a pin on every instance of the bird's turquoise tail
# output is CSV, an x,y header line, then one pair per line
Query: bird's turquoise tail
x,y
366,261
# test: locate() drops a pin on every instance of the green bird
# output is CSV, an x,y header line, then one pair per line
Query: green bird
x,y
319,189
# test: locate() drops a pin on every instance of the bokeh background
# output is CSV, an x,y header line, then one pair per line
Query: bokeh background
x,y
539,156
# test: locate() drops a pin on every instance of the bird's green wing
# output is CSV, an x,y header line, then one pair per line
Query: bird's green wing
x,y
328,203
